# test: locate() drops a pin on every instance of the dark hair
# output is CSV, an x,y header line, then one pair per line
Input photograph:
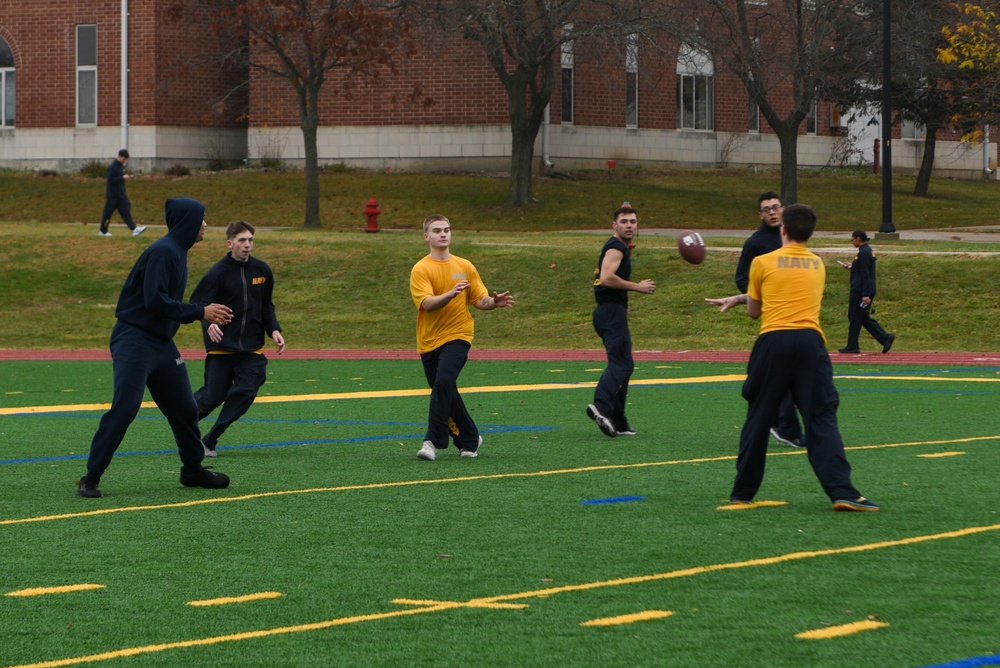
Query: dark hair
x,y
123,153
799,221
237,226
860,234
770,194
626,207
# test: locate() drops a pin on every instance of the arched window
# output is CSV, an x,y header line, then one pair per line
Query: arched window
x,y
7,85
695,89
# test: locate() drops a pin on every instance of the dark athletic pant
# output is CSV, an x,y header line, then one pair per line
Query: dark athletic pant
x,y
124,208
794,360
231,381
611,393
143,361
788,419
862,317
447,415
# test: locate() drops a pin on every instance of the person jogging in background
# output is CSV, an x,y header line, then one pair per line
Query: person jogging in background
x,y
116,199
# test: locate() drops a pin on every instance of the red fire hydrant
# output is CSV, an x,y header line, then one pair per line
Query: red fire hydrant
x,y
371,213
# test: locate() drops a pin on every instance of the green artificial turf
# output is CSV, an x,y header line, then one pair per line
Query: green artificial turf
x,y
330,508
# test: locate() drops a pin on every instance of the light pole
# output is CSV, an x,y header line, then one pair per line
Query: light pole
x,y
886,227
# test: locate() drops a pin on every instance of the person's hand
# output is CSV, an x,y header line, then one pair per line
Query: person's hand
x,y
502,299
866,300
214,333
218,314
725,303
459,288
279,341
648,286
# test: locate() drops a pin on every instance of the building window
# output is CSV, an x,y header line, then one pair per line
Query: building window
x,y
632,81
811,120
7,85
86,75
913,130
567,76
695,89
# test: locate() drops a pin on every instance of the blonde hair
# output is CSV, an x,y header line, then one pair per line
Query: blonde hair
x,y
433,218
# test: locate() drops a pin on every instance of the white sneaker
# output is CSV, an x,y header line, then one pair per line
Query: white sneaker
x,y
101,233
139,230
209,452
472,453
427,452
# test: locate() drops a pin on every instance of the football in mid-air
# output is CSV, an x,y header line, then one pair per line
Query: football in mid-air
x,y
691,246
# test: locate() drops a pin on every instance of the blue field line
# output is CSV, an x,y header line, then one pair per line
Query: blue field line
x,y
971,662
615,499
282,444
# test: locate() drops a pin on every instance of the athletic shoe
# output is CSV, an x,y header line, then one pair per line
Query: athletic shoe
x,y
206,478
850,351
888,343
102,233
473,453
739,502
427,452
87,487
627,431
860,504
603,423
793,442
139,230
210,452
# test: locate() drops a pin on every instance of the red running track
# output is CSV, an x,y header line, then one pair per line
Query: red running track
x,y
874,357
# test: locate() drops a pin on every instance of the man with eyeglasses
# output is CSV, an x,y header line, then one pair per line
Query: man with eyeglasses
x,y
765,239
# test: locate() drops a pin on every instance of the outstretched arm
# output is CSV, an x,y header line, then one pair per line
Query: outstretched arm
x,y
498,300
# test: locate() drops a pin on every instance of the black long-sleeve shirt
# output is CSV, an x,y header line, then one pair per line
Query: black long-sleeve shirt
x,y
764,240
248,289
863,272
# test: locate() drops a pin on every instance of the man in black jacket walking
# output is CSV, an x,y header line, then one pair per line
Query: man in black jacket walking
x,y
115,198
150,310
235,366
859,307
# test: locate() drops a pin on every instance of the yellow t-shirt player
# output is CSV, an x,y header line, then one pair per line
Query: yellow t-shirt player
x,y
443,286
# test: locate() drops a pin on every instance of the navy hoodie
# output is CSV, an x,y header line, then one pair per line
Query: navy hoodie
x,y
152,298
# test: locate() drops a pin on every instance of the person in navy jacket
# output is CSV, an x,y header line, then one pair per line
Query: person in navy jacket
x,y
235,366
859,307
116,199
150,310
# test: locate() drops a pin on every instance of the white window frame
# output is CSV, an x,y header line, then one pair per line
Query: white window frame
x,y
87,71
566,78
695,72
912,130
8,89
632,80
812,119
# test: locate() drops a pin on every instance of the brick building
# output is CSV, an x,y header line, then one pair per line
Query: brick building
x,y
73,90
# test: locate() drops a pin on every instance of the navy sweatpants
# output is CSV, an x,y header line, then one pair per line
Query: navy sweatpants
x,y
231,381
611,324
797,360
447,415
142,361
124,208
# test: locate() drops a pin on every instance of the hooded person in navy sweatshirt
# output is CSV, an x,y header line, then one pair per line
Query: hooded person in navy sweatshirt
x,y
151,308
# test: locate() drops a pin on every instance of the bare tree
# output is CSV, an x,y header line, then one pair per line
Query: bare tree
x,y
788,53
301,42
522,40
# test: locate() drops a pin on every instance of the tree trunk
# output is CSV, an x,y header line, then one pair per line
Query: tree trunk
x,y
525,122
926,163
310,126
788,138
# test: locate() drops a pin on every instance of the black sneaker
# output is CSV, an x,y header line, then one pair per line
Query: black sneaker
x,y
860,504
792,442
87,487
888,343
849,351
206,478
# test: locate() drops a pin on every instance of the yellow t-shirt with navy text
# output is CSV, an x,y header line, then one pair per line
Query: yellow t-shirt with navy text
x,y
452,321
789,284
